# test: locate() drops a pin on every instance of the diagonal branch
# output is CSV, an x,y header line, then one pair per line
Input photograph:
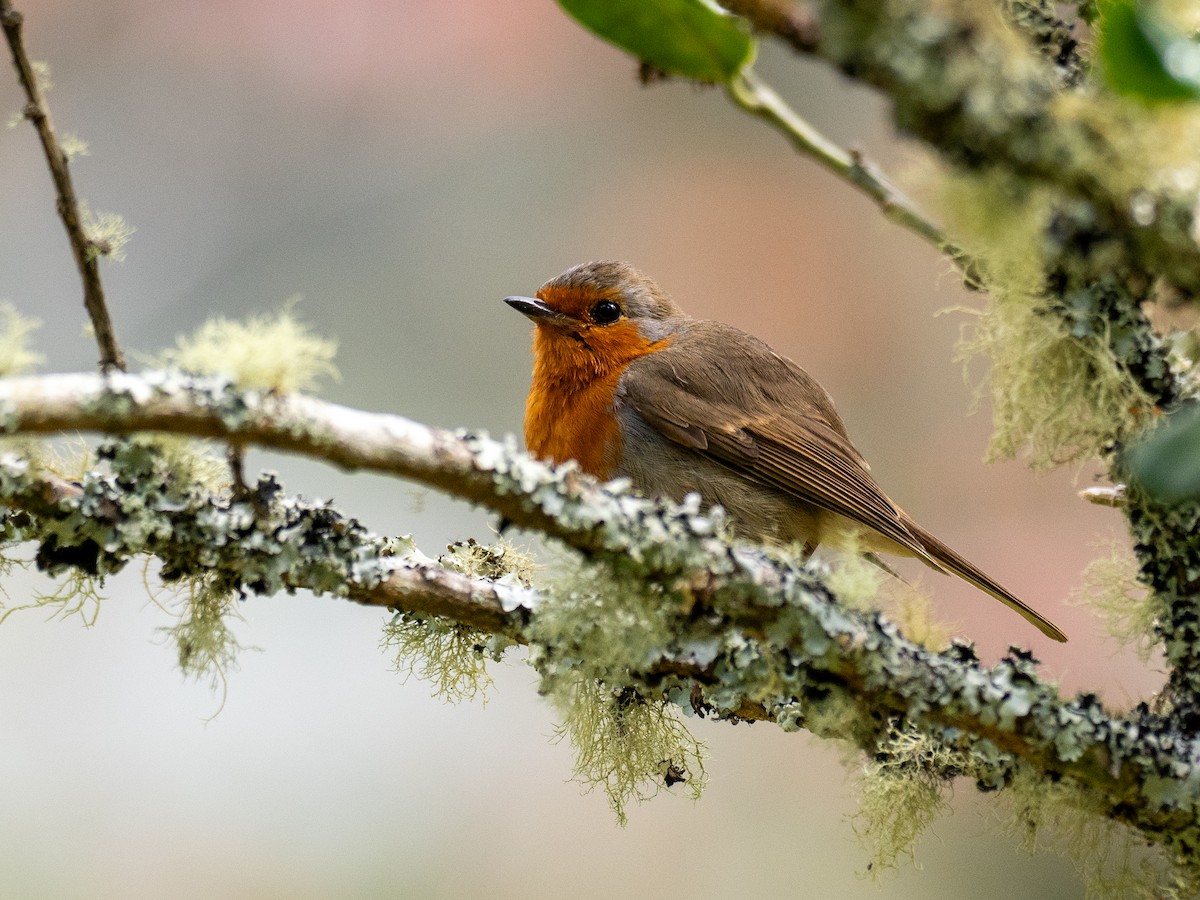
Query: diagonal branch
x,y
752,95
87,252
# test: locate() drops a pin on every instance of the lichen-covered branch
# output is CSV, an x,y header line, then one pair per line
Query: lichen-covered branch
x,y
86,251
265,541
727,629
469,466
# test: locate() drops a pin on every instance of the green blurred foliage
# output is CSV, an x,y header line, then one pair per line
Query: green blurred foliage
x,y
1144,57
692,38
1167,464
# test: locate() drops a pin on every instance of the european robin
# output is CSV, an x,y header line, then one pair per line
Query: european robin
x,y
627,384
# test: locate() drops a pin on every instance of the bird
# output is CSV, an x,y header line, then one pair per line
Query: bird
x,y
628,385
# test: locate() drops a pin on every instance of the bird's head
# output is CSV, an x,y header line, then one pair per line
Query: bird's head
x,y
599,315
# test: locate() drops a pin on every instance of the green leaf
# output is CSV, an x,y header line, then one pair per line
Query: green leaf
x,y
693,38
1167,464
1144,57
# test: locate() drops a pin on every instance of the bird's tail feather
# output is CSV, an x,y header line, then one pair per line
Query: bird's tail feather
x,y
966,570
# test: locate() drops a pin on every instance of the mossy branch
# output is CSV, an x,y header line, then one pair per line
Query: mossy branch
x,y
730,630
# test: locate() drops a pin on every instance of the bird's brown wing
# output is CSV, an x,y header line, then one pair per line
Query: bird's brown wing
x,y
776,426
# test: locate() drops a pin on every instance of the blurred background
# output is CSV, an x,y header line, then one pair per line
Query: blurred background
x,y
404,166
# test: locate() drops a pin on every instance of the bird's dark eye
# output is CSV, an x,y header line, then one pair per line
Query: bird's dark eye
x,y
605,312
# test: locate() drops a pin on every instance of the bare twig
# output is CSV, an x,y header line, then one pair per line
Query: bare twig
x,y
752,95
1105,496
86,251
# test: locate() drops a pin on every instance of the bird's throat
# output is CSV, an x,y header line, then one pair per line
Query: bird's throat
x,y
570,412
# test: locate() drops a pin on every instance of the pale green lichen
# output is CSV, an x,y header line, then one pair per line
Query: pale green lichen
x,y
602,619
1110,586
494,562
913,612
629,746
450,657
207,647
67,457
190,462
269,351
41,72
1111,858
9,564
15,330
595,625
1058,394
78,594
107,233
72,145
854,579
1149,150
901,792
1056,397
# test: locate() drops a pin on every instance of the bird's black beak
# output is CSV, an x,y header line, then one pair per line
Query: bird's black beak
x,y
538,311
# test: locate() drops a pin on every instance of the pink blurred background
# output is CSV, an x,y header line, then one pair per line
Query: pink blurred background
x,y
404,166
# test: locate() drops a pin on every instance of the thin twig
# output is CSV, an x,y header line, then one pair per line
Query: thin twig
x,y
87,252
752,95
1105,496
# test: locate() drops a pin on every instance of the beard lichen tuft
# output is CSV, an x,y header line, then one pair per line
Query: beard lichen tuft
x,y
206,645
1110,857
1057,398
15,329
628,745
78,594
1058,393
901,791
451,657
595,626
1110,586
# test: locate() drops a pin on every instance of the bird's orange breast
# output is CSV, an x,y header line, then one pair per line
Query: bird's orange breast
x,y
570,412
